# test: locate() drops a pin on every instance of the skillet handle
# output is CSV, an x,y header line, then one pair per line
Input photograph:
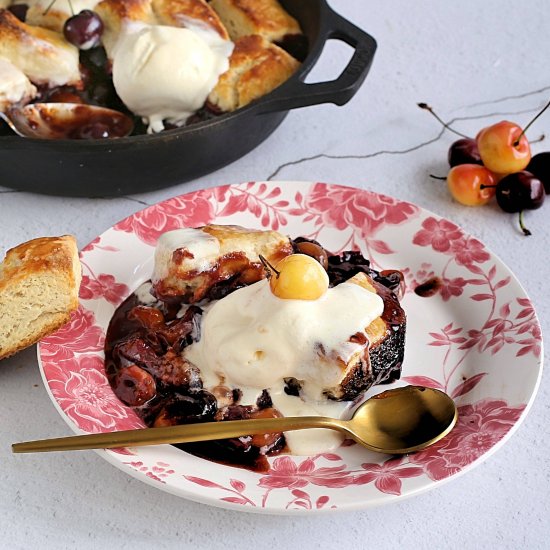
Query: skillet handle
x,y
295,93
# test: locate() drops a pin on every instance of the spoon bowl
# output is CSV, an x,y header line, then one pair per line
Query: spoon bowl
x,y
398,421
67,121
403,420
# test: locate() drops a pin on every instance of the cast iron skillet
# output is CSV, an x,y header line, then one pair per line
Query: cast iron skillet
x,y
143,163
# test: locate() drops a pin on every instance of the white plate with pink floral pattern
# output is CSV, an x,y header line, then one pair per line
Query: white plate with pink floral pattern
x,y
478,339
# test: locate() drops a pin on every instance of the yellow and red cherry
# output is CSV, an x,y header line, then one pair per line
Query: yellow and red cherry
x,y
471,184
297,277
503,147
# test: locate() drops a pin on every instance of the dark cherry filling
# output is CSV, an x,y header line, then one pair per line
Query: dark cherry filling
x,y
147,371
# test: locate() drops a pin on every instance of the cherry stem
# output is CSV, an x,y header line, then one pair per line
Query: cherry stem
x,y
539,139
442,178
268,267
426,107
49,7
483,186
516,143
71,6
526,231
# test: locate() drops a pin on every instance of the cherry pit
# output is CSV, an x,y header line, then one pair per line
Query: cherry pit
x,y
497,163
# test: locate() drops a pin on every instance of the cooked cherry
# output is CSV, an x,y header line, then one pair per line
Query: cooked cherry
x,y
136,350
391,279
84,29
264,401
19,10
173,370
268,439
464,151
520,191
134,386
540,167
316,251
64,95
199,406
149,317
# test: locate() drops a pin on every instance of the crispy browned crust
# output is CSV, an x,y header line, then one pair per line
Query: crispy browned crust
x,y
256,67
52,255
115,13
29,47
264,17
384,357
177,13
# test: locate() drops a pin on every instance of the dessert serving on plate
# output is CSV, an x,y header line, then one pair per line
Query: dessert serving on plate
x,y
167,63
238,323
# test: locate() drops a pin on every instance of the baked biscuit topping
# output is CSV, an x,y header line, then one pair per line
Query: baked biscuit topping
x,y
165,63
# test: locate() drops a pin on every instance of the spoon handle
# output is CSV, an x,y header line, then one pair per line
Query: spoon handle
x,y
188,433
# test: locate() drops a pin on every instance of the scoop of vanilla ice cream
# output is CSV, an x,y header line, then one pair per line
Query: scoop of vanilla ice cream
x,y
166,73
15,87
252,338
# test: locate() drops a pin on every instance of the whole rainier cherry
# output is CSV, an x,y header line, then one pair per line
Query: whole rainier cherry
x,y
471,184
503,148
297,277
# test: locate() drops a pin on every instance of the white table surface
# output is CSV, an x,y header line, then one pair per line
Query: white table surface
x,y
476,62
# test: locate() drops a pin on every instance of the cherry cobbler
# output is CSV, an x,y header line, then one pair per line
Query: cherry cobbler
x,y
238,323
165,63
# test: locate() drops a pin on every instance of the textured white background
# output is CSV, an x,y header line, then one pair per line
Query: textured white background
x,y
477,61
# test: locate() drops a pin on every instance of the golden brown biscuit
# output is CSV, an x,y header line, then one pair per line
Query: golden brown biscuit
x,y
383,346
15,87
39,283
191,261
256,67
264,17
115,14
188,13
43,55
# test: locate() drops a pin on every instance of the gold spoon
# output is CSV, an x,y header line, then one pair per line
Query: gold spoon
x,y
398,421
67,121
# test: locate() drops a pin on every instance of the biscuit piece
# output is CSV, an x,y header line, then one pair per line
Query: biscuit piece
x,y
264,17
15,87
44,56
195,14
117,14
384,349
39,283
189,262
256,67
